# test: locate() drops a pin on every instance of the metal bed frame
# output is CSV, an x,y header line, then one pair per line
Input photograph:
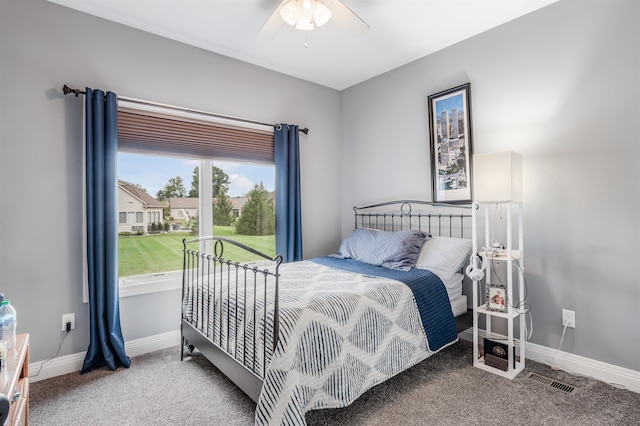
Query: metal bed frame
x,y
204,270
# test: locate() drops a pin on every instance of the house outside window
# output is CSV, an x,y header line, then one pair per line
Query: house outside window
x,y
133,201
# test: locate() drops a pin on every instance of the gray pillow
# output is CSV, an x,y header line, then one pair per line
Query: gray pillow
x,y
394,250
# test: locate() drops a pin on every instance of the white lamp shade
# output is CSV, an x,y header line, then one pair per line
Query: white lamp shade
x,y
289,12
321,14
497,177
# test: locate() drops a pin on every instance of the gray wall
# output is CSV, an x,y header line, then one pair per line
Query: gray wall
x,y
561,87
42,47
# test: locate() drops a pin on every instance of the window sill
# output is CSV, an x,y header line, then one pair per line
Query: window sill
x,y
135,286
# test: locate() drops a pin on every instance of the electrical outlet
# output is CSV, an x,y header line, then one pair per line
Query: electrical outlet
x,y
568,318
68,318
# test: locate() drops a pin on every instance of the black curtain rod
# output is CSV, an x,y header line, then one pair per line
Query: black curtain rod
x,y
67,90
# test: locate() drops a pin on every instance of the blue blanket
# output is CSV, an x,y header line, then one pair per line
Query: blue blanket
x,y
428,290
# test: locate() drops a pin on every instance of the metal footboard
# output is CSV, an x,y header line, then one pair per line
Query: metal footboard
x,y
230,310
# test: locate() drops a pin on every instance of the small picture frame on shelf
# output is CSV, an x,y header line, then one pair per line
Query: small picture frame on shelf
x,y
497,298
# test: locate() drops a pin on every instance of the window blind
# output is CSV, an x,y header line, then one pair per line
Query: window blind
x,y
148,131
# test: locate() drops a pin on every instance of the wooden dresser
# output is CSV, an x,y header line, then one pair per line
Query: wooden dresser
x,y
14,381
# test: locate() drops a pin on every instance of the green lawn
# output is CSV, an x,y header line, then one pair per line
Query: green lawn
x,y
147,254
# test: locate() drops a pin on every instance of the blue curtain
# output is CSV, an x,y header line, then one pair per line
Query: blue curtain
x,y
106,345
288,211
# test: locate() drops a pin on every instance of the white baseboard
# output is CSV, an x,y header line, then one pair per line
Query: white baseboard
x,y
152,343
575,364
73,363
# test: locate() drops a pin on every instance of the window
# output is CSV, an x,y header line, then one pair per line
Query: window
x,y
122,217
131,217
153,261
173,175
153,217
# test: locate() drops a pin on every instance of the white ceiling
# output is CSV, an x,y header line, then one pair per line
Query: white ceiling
x,y
401,31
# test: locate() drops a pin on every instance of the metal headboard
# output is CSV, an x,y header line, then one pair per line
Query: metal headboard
x,y
438,219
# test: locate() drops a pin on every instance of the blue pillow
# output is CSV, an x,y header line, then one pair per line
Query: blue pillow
x,y
394,250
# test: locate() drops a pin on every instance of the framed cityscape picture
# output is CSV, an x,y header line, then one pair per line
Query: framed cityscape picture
x,y
451,147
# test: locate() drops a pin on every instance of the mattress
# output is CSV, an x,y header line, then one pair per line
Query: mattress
x,y
459,305
454,286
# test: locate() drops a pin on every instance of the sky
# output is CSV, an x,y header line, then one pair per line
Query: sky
x,y
449,103
152,172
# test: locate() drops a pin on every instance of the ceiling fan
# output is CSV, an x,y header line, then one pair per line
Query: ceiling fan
x,y
309,14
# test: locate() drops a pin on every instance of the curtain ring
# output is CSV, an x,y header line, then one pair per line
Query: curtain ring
x,y
278,126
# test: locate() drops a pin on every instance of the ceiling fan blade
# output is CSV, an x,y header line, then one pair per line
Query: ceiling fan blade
x,y
273,24
345,17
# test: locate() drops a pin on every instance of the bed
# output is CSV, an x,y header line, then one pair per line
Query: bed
x,y
319,333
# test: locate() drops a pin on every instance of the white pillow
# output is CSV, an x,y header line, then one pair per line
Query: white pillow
x,y
444,256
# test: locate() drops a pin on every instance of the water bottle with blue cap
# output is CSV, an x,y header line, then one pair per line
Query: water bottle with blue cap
x,y
8,322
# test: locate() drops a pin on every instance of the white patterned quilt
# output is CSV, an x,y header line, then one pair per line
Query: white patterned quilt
x,y
341,333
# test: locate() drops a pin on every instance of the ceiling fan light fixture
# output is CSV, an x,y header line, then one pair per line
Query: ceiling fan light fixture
x,y
305,14
309,14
